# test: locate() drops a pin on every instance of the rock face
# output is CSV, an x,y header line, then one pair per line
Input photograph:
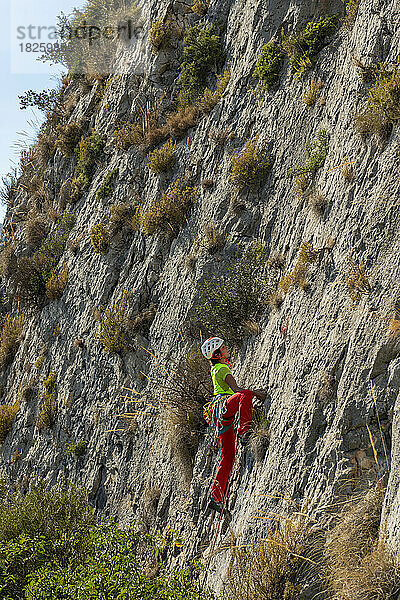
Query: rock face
x,y
319,434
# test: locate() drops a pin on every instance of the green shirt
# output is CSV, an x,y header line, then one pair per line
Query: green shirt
x,y
218,374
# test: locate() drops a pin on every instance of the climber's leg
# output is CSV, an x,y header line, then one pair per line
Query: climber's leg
x,y
242,402
225,466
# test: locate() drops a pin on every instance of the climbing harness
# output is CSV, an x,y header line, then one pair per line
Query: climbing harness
x,y
213,411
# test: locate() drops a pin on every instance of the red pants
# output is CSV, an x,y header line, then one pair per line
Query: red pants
x,y
242,402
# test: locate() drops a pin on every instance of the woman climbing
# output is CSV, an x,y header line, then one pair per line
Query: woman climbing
x,y
228,399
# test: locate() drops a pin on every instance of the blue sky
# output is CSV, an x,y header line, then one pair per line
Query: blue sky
x,y
15,121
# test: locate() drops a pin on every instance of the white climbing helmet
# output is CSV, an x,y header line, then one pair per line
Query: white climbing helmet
x,y
210,346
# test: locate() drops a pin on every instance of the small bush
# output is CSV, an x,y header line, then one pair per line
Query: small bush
x,y
316,153
200,7
121,215
7,416
106,187
383,108
38,528
160,35
99,238
209,99
163,159
297,277
202,52
57,283
303,48
87,153
49,404
127,135
10,338
78,449
226,308
268,65
356,280
35,231
214,240
114,324
182,120
170,213
249,166
351,13
312,93
68,137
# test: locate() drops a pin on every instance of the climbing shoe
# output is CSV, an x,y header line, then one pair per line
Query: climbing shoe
x,y
217,506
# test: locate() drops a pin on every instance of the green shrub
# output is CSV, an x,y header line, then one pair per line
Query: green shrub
x,y
68,137
57,283
202,52
170,213
160,35
78,449
41,527
303,48
316,153
200,7
351,12
87,153
49,404
121,564
226,308
249,166
162,159
114,324
106,186
383,106
7,416
10,338
269,64
100,238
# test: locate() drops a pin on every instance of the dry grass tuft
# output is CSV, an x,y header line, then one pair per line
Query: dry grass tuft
x,y
312,93
7,416
326,390
57,283
318,202
10,338
221,136
359,565
214,240
274,567
260,435
356,280
185,392
348,173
